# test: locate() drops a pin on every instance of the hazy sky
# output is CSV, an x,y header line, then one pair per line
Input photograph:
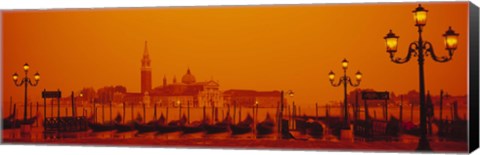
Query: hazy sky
x,y
243,47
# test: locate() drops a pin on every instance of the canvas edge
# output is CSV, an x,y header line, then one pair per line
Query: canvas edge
x,y
473,51
1,75
474,78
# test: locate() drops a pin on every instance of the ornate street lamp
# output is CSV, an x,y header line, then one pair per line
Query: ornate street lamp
x,y
421,48
345,80
25,81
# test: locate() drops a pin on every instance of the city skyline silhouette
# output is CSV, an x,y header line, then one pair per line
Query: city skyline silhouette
x,y
261,48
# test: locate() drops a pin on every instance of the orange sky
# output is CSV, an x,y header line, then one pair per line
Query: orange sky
x,y
243,47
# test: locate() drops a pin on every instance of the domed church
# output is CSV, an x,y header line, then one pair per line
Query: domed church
x,y
191,93
188,78
188,92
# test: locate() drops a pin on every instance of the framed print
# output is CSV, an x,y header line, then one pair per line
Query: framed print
x,y
399,77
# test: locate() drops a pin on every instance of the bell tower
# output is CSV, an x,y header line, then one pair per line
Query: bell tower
x,y
146,72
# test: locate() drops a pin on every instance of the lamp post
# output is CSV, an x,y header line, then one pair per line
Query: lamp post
x,y
421,48
280,118
256,111
25,81
179,109
81,102
282,98
345,80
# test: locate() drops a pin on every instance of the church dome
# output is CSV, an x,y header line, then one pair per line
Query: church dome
x,y
188,78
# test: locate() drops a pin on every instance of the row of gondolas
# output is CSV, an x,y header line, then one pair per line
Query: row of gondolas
x,y
10,122
161,126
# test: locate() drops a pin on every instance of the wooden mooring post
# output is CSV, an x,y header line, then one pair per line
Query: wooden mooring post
x,y
155,111
213,113
73,105
31,109
205,112
132,111
401,109
367,115
111,113
166,114
144,113
179,111
45,107
411,112
234,111
294,115
36,112
103,112
216,114
239,113
441,107
124,111
52,110
14,111
386,109
58,110
326,111
11,107
95,110
357,108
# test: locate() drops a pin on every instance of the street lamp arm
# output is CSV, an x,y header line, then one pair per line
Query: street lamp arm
x,y
412,51
338,84
19,84
429,51
352,84
33,84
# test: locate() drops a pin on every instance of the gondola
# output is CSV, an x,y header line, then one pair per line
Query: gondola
x,y
172,126
151,126
243,127
11,123
266,127
220,127
9,118
127,127
393,127
449,129
410,128
314,128
97,127
301,125
194,127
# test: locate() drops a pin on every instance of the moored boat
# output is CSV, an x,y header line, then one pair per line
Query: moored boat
x,y
266,127
243,127
314,128
172,126
194,127
220,127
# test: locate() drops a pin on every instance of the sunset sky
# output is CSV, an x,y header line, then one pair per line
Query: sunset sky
x,y
264,48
